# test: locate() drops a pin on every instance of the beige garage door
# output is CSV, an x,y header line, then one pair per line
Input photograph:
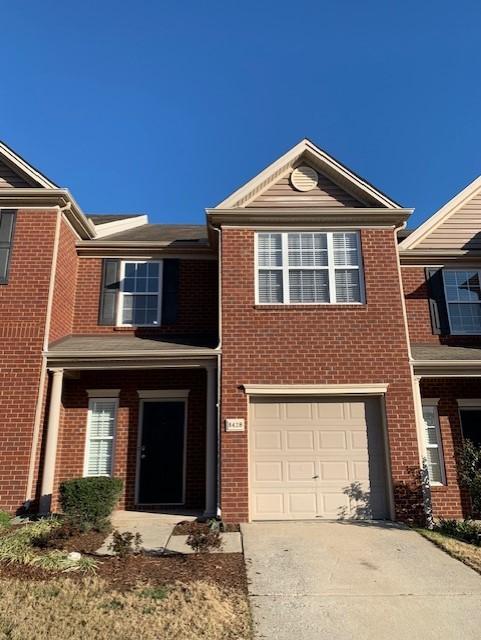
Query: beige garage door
x,y
316,458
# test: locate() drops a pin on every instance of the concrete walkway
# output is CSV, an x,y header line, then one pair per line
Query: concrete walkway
x,y
355,581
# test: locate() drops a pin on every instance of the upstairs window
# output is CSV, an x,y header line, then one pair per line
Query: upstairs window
x,y
309,268
7,223
463,300
140,294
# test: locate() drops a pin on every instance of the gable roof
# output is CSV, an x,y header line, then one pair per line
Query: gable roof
x,y
457,235
325,163
32,176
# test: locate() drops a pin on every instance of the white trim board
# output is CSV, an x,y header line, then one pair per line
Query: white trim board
x,y
315,389
163,394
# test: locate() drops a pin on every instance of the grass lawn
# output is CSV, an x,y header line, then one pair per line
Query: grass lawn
x,y
470,554
62,608
181,597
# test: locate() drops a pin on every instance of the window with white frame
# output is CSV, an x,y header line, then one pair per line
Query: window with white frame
x,y
140,293
432,442
309,268
99,453
463,299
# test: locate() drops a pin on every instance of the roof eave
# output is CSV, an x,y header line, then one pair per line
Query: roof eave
x,y
50,198
346,216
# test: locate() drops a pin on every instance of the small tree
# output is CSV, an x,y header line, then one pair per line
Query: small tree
x,y
469,472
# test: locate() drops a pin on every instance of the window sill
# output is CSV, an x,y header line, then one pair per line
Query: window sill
x,y
438,485
313,307
134,327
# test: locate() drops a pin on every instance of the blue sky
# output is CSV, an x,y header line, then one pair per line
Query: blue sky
x,y
167,107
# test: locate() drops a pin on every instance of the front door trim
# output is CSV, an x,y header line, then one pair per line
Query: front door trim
x,y
160,395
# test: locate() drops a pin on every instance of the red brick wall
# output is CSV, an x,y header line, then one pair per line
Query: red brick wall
x,y
197,312
70,456
419,318
23,305
450,501
61,323
313,345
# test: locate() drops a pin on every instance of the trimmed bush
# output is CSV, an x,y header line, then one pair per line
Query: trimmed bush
x,y
88,502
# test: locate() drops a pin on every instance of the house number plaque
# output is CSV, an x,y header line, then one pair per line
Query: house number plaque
x,y
235,424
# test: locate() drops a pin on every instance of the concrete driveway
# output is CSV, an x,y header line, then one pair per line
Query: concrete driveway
x,y
355,581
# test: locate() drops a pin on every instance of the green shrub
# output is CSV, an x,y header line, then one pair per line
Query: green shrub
x,y
125,544
5,519
205,540
88,502
469,472
466,530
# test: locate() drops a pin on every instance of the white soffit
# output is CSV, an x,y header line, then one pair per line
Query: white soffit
x,y
109,228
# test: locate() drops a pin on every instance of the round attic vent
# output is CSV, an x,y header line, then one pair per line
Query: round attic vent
x,y
304,178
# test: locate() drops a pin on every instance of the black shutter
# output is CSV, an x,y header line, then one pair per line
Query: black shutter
x,y
7,226
170,291
437,301
109,291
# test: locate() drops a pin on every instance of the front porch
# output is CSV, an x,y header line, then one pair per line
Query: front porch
x,y
448,394
148,418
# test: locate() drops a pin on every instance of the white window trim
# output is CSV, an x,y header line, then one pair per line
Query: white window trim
x,y
123,294
330,268
452,331
162,396
433,402
94,398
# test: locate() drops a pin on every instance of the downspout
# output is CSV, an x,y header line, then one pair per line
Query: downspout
x,y
43,370
219,364
418,416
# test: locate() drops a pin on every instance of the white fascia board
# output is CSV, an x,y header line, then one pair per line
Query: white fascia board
x,y
24,167
109,228
440,216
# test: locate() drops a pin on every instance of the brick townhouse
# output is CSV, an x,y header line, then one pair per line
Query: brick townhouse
x,y
299,356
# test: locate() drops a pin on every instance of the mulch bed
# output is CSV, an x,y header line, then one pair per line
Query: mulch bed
x,y
186,527
226,570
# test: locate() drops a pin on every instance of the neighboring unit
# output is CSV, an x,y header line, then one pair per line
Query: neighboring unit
x,y
297,357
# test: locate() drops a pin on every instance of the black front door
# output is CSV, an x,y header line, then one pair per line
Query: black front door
x,y
161,476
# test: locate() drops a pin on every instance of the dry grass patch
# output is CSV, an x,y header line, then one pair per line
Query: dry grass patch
x,y
467,553
64,609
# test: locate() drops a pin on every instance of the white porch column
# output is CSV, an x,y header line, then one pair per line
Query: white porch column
x,y
426,486
211,443
52,441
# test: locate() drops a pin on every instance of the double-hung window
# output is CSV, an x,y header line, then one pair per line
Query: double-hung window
x,y
463,299
309,268
100,437
140,293
432,443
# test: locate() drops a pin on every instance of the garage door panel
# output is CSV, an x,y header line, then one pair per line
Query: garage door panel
x,y
300,440
268,440
335,470
301,471
332,440
317,459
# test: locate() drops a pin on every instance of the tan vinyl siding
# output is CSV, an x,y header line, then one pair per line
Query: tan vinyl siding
x,y
462,230
9,179
326,194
